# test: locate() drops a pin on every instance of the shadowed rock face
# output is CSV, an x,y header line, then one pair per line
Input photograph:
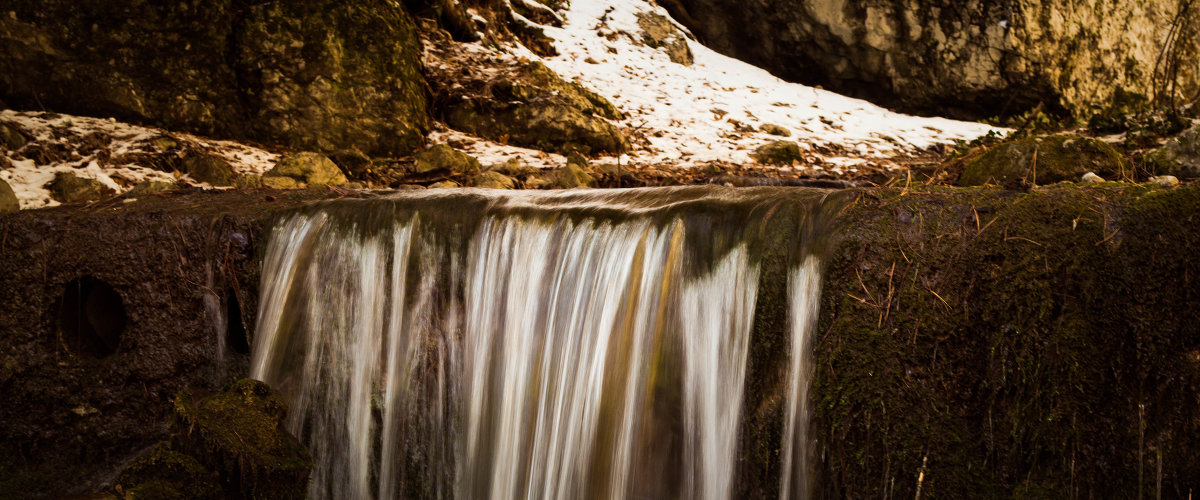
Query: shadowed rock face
x,y
972,59
316,75
1008,344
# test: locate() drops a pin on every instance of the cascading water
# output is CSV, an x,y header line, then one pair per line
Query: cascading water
x,y
570,345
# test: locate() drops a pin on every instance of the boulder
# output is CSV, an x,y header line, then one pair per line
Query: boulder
x,y
573,176
1043,160
304,170
660,32
11,137
532,106
1179,157
8,199
210,169
445,159
963,58
779,153
317,75
70,188
494,180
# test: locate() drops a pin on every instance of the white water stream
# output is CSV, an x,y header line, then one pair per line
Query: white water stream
x,y
547,356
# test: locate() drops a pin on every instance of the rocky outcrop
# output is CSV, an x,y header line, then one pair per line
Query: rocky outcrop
x,y
314,75
974,58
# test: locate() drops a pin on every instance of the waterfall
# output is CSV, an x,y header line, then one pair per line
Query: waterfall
x,y
533,345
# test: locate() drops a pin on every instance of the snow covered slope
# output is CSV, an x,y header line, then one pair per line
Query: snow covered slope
x,y
703,112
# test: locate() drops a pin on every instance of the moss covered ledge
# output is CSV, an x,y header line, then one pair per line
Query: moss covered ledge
x,y
986,343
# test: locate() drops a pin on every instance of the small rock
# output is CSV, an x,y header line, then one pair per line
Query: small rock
x,y
773,129
69,188
494,180
573,176
150,187
444,185
1180,156
8,199
779,153
578,160
210,169
11,138
304,169
163,143
281,182
1162,181
443,158
514,168
249,181
353,162
1092,178
539,181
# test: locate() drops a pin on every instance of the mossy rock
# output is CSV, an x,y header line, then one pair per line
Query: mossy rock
x,y
1179,157
773,129
167,474
210,169
304,170
317,75
150,187
536,80
240,434
659,32
445,159
8,199
573,176
11,138
1043,160
534,107
494,180
70,188
779,153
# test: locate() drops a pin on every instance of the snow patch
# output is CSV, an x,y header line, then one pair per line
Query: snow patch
x,y
28,179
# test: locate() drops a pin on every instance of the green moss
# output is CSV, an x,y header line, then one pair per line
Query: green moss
x,y
239,432
165,473
1005,341
1044,160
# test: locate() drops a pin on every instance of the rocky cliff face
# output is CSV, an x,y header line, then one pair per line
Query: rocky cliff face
x,y
972,58
313,74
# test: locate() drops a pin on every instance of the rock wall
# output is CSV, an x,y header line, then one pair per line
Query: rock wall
x,y
992,343
972,59
314,74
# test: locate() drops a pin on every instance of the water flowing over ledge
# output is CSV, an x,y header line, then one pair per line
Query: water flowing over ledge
x,y
570,345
